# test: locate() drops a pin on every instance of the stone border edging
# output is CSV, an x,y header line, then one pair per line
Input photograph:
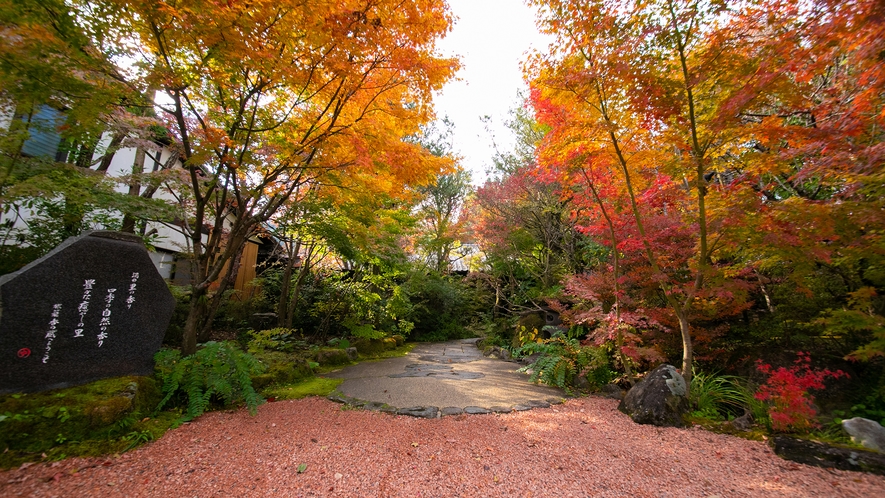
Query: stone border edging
x,y
436,412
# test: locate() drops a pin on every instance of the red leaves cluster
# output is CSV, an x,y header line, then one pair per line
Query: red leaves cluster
x,y
791,407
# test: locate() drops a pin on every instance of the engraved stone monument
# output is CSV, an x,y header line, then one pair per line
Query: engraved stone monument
x,y
94,307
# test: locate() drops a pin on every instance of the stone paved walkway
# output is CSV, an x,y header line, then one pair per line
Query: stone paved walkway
x,y
446,378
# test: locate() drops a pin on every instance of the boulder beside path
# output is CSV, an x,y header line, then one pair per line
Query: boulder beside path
x,y
659,399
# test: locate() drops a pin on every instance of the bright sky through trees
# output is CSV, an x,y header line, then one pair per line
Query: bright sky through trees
x,y
492,38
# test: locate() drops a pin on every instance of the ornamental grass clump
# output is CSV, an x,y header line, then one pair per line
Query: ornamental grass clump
x,y
717,397
791,407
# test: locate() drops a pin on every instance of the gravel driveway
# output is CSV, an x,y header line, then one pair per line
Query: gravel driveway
x,y
584,447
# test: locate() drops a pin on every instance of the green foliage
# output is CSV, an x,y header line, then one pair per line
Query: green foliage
x,y
720,397
562,359
337,342
858,319
218,371
873,408
438,307
278,339
366,331
281,368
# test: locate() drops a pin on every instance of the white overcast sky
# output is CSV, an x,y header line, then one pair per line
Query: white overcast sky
x,y
492,38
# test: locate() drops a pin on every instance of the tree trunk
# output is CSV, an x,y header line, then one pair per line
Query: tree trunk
x,y
283,302
194,318
134,189
687,351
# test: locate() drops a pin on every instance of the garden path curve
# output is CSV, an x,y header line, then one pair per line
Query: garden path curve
x,y
444,378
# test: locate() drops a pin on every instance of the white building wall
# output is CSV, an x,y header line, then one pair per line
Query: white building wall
x,y
169,240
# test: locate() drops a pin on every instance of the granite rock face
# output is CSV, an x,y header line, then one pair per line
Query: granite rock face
x,y
658,399
866,432
94,307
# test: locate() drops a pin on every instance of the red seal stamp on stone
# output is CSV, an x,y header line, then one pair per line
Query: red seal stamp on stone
x,y
24,353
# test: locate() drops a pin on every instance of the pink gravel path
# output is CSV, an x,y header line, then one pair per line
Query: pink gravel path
x,y
584,447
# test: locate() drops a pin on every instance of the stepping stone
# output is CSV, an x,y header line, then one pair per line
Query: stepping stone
x,y
451,410
438,371
475,410
522,408
500,409
419,411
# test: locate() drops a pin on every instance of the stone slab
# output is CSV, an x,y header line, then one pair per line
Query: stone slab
x,y
94,307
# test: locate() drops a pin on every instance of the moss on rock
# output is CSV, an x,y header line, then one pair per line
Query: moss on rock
x,y
36,423
374,347
282,368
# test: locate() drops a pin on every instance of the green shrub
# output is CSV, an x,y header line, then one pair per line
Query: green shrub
x,y
219,371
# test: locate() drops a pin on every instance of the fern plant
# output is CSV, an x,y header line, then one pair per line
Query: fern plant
x,y
219,369
561,359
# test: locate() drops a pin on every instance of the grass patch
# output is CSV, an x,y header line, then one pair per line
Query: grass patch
x,y
316,386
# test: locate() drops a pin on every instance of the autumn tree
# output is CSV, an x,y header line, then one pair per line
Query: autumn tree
x,y
264,97
438,209
650,85
523,222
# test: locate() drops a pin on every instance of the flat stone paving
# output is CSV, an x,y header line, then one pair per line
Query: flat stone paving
x,y
438,379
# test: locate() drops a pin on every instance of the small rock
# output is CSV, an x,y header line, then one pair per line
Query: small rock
x,y
500,409
451,410
351,353
866,432
338,398
475,410
743,422
522,408
528,360
420,412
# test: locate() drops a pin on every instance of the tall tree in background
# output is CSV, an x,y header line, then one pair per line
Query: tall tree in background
x,y
440,217
523,221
